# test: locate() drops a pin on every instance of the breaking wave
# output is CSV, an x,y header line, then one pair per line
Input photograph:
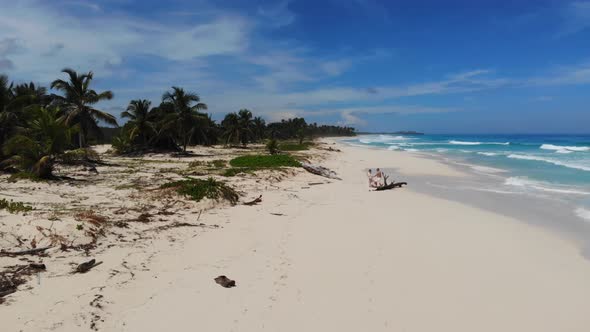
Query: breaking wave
x,y
564,149
550,161
478,143
538,185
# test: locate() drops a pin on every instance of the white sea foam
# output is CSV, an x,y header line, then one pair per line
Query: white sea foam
x,y
505,192
382,139
583,213
482,169
485,169
549,160
394,148
564,149
489,154
478,143
411,150
526,183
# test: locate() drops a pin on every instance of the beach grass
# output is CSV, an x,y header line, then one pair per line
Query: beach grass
x,y
265,161
238,170
197,189
14,207
289,146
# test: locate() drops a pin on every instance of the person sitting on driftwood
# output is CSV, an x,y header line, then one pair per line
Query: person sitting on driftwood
x,y
374,180
378,178
370,176
386,186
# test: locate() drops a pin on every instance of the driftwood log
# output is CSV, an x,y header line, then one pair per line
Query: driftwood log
x,y
392,185
320,170
8,291
255,201
24,252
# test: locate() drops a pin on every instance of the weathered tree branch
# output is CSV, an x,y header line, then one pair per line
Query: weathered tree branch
x,y
23,252
255,201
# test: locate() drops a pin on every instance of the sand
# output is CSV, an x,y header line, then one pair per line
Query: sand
x,y
338,258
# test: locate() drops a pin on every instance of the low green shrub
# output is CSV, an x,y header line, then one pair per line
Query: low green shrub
x,y
14,207
265,161
295,146
198,189
122,144
235,171
272,146
218,163
77,155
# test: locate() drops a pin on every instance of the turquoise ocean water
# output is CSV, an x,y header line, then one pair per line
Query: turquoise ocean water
x,y
549,166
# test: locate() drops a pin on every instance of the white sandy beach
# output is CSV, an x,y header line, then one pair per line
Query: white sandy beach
x,y
339,258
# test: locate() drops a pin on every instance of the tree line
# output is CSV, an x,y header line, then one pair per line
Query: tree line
x,y
39,129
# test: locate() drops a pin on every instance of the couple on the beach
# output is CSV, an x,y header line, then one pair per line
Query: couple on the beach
x,y
375,181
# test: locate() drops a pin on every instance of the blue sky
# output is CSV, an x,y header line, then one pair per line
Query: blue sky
x,y
434,66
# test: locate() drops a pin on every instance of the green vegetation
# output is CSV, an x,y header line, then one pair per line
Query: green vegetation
x,y
265,161
235,171
173,125
34,150
38,129
14,207
198,189
218,163
213,164
295,146
252,163
298,128
79,155
272,146
78,100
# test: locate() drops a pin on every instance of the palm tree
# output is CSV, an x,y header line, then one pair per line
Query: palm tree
x,y
78,101
259,128
16,106
207,131
231,127
8,118
185,108
246,124
138,112
30,94
35,150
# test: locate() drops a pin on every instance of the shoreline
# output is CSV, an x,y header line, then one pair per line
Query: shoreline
x,y
339,257
483,187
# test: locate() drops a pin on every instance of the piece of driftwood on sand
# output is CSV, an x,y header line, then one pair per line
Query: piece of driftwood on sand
x,y
320,170
387,186
86,266
254,201
24,252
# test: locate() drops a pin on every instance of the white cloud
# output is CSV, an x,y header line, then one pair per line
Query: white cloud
x,y
350,119
568,75
92,42
84,5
